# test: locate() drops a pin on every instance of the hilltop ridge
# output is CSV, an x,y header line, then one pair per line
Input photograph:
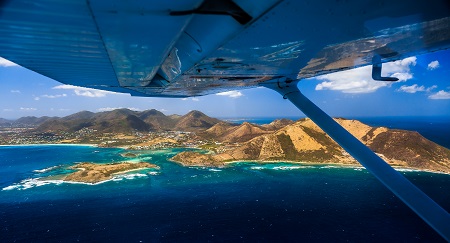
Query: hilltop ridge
x,y
127,121
304,141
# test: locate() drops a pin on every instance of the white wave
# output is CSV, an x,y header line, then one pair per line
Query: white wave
x,y
30,183
281,167
354,167
36,182
47,169
407,170
128,176
8,188
214,170
258,168
203,168
291,167
330,167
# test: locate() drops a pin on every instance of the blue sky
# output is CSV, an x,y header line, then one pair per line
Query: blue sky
x,y
423,90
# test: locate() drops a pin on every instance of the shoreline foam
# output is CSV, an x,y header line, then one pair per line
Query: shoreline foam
x,y
331,165
40,181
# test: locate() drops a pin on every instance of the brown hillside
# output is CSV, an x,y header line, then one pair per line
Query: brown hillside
x,y
304,141
278,124
194,121
219,129
243,132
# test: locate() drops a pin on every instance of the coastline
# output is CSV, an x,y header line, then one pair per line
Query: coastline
x,y
49,144
329,165
227,163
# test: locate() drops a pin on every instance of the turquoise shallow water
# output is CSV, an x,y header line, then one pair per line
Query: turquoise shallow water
x,y
243,202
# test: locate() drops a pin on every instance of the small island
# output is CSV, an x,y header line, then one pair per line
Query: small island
x,y
95,173
129,155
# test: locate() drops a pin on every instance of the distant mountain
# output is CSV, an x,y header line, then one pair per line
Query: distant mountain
x,y
120,121
126,121
194,121
80,115
32,120
158,120
4,122
305,142
278,124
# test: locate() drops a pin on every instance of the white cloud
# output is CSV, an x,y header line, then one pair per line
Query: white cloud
x,y
6,63
231,94
440,95
87,92
433,65
415,88
15,91
193,99
27,109
411,89
37,98
7,109
359,80
53,96
431,88
116,108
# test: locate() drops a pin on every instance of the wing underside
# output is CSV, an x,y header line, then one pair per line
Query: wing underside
x,y
192,47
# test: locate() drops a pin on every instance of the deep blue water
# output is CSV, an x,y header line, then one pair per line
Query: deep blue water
x,y
435,128
244,202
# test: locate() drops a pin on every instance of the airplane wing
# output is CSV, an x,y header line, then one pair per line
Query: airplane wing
x,y
185,48
181,48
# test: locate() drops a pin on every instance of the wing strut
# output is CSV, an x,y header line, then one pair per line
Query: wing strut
x,y
412,196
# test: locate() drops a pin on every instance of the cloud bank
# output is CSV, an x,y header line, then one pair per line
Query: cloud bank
x,y
359,80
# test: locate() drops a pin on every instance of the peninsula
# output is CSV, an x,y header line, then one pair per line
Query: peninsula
x,y
303,141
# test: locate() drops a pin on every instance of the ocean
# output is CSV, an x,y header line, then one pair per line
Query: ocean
x,y
242,202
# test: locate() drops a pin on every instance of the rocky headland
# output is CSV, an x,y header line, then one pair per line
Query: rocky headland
x,y
303,141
